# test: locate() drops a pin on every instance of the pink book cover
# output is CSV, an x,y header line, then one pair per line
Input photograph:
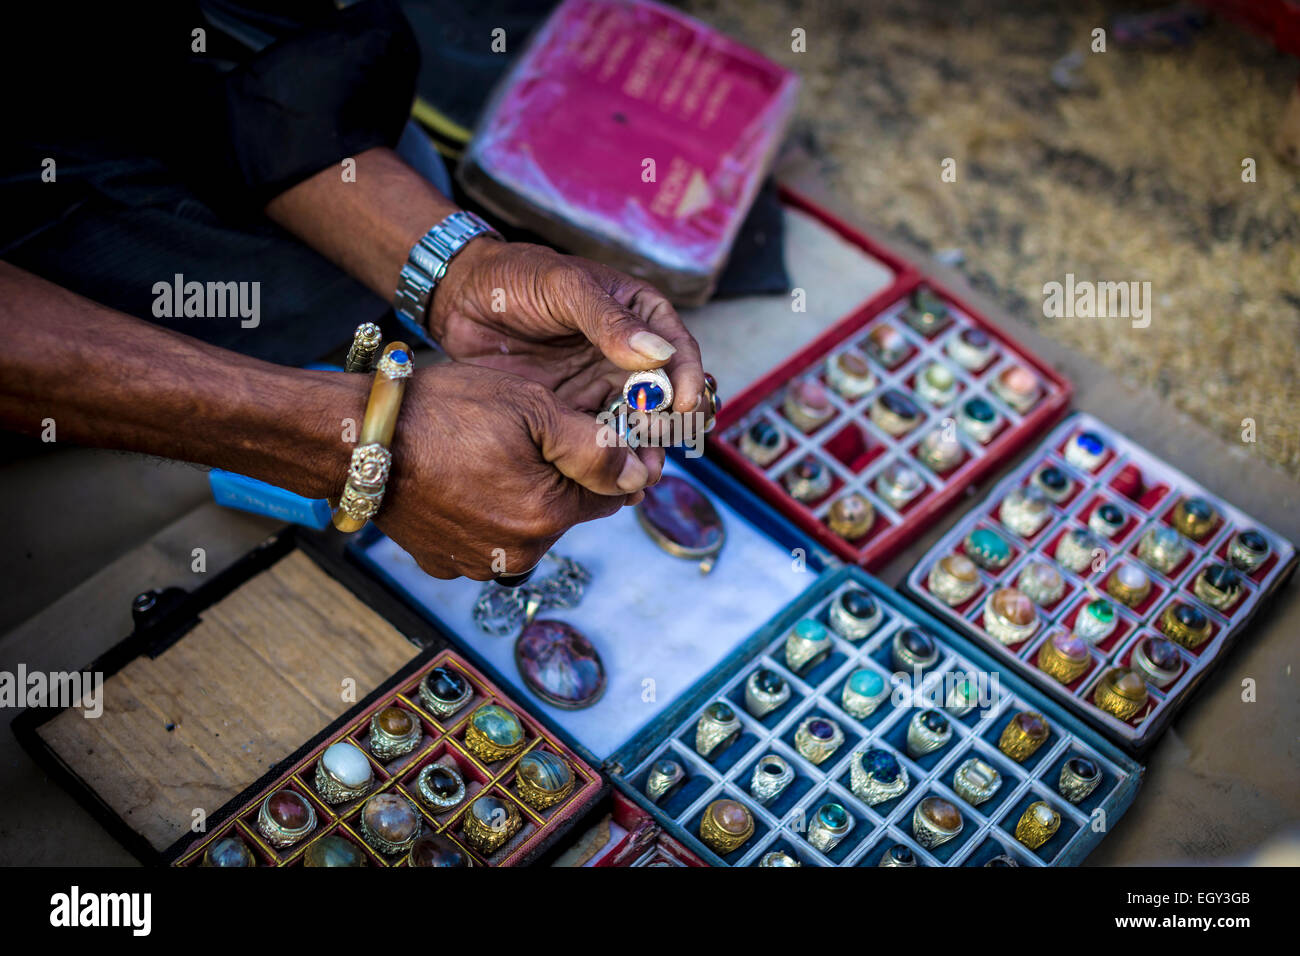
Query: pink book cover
x,y
635,134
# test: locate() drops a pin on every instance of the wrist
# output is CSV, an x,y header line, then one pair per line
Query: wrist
x,y
310,441
449,294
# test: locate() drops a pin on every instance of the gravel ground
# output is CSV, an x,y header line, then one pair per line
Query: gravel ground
x,y
1133,175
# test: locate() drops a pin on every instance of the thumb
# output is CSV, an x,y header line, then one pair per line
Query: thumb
x,y
621,335
587,450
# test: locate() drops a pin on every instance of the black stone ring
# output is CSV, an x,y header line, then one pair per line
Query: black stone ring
x,y
514,580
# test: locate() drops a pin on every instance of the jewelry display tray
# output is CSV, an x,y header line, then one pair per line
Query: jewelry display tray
x,y
96,781
851,445
1163,487
987,831
445,605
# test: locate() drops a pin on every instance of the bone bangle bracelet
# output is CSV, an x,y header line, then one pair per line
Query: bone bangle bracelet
x,y
371,459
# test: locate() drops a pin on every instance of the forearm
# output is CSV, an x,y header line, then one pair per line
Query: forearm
x,y
111,381
366,227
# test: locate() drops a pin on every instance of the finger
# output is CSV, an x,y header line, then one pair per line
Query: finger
x,y
685,369
584,449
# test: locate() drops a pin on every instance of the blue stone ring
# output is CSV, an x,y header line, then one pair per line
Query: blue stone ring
x,y
830,824
648,391
876,776
717,729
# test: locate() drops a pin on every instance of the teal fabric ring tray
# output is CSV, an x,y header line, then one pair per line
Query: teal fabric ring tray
x,y
988,830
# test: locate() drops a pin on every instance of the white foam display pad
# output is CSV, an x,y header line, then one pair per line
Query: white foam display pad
x,y
657,622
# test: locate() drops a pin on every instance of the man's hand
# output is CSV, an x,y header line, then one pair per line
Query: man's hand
x,y
573,325
487,464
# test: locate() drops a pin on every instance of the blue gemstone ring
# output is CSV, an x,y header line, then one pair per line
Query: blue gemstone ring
x,y
876,776
830,824
648,391
664,776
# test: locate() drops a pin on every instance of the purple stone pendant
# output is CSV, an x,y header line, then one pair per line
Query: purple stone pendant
x,y
681,520
559,664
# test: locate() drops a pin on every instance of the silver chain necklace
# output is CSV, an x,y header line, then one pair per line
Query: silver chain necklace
x,y
502,611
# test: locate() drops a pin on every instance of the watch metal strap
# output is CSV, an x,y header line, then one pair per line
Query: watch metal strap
x,y
427,263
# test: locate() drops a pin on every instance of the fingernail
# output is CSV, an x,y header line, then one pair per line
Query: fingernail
x,y
654,347
633,476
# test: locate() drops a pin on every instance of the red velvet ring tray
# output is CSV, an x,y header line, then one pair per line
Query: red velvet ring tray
x,y
644,843
853,448
443,742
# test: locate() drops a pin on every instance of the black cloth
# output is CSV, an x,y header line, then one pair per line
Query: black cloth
x,y
164,155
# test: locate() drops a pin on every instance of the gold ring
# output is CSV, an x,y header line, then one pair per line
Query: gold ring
x,y
1194,517
1129,585
953,579
543,779
394,732
1249,550
850,375
1064,657
494,733
762,443
1218,586
1185,624
1037,824
807,645
1121,692
851,516
807,405
390,823
1023,735
490,823
726,825
717,729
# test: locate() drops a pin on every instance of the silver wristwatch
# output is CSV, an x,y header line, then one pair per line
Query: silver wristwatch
x,y
427,263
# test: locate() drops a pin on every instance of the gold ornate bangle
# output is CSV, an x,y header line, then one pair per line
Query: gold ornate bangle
x,y
371,459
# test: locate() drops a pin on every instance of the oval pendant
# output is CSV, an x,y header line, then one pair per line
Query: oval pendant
x,y
560,665
682,520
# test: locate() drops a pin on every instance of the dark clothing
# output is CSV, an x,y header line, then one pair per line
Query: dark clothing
x,y
164,155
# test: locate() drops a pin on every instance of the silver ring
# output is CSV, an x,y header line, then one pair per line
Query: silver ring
x,y
1218,586
971,348
850,375
760,698
1018,386
1162,548
963,696
953,579
940,451
1086,450
1053,482
809,480
1163,671
1079,778
1024,511
1248,550
387,746
926,313
777,858
898,484
807,645
652,378
1041,582
898,855
978,418
446,680
976,781
932,822
772,774
864,691
876,776
927,731
886,345
1002,859
936,384
1077,548
913,649
830,824
717,729
277,833
432,795
1107,520
854,614
817,738
665,774
1096,621
1010,616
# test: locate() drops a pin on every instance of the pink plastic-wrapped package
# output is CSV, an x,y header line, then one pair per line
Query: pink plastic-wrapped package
x,y
634,135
